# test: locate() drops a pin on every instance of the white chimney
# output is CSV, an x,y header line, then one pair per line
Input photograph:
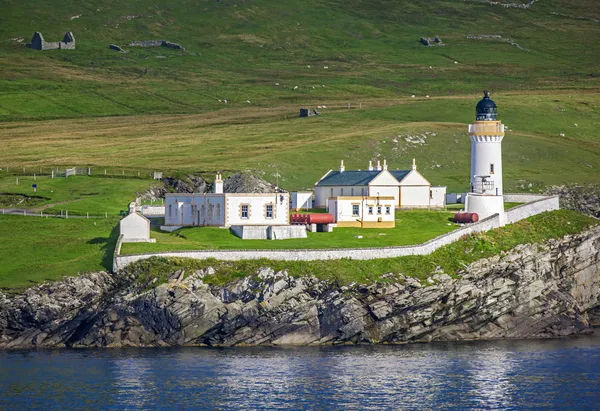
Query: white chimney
x,y
384,164
378,165
218,184
370,166
342,168
414,166
132,208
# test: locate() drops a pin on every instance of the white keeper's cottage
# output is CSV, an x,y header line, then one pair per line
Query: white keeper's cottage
x,y
220,209
408,187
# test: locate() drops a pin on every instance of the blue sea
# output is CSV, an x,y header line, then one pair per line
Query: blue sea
x,y
500,375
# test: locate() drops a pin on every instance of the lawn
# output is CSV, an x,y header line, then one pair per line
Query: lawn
x,y
76,194
412,227
33,249
451,258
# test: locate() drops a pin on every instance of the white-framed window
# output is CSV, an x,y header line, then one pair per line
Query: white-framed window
x,y
245,211
379,210
388,210
269,211
355,210
492,168
370,210
342,192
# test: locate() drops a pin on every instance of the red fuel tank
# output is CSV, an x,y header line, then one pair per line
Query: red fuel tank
x,y
466,217
311,219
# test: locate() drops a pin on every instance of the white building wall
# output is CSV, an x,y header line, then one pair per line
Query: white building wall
x,y
342,209
301,200
324,192
485,151
257,209
385,191
437,198
134,227
414,196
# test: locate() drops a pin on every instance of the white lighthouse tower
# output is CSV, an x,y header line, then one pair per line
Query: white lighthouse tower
x,y
486,195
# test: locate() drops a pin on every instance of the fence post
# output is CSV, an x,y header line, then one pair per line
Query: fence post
x,y
87,215
17,180
105,214
25,213
66,213
52,173
89,171
104,171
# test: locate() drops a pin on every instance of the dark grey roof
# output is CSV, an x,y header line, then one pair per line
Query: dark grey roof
x,y
357,178
348,178
399,174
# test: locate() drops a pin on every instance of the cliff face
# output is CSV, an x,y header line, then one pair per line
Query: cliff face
x,y
534,291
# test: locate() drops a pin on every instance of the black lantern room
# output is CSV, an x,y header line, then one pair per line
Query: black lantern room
x,y
486,108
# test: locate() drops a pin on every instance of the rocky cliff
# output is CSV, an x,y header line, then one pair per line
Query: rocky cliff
x,y
535,291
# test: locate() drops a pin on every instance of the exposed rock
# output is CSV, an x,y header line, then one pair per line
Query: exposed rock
x,y
535,291
584,199
246,183
436,41
156,43
116,48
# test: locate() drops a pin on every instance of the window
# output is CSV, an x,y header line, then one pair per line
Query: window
x,y
371,210
170,210
388,210
355,210
218,211
362,191
244,211
379,210
352,192
331,191
491,169
269,211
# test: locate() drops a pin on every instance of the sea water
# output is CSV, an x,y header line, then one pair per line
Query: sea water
x,y
559,374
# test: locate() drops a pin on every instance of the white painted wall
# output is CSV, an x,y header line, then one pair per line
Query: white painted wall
x,y
257,209
437,197
414,196
134,227
486,150
301,199
512,215
341,209
323,193
385,191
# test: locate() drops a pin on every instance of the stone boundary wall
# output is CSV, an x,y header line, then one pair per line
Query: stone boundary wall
x,y
513,215
530,209
121,261
117,252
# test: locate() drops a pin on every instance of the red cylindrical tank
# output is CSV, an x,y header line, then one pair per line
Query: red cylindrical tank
x,y
466,217
320,218
311,219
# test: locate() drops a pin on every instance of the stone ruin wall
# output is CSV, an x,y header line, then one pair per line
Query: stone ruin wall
x,y
38,42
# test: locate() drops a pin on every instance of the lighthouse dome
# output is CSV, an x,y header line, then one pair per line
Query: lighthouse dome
x,y
486,108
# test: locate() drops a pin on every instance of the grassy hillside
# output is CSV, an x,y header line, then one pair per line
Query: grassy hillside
x,y
239,49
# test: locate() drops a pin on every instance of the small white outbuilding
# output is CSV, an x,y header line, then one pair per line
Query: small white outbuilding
x,y
135,228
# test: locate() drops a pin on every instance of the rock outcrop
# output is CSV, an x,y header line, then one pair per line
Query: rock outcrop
x,y
535,291
584,199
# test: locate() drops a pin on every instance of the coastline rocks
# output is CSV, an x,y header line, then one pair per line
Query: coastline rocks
x,y
534,291
584,199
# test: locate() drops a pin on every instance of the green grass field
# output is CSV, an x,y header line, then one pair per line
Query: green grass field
x,y
76,194
412,227
451,258
33,249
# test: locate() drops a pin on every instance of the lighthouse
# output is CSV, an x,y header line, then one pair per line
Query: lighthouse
x,y
486,133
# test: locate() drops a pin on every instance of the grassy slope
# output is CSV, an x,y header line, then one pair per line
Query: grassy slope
x,y
412,227
34,249
451,258
77,194
237,50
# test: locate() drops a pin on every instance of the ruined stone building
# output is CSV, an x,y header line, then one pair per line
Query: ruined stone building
x,y
38,42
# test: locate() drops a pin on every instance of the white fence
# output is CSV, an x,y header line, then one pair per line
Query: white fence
x,y
511,216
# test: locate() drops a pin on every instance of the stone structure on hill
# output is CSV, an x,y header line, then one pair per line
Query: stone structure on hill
x,y
38,42
436,41
156,43
534,291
